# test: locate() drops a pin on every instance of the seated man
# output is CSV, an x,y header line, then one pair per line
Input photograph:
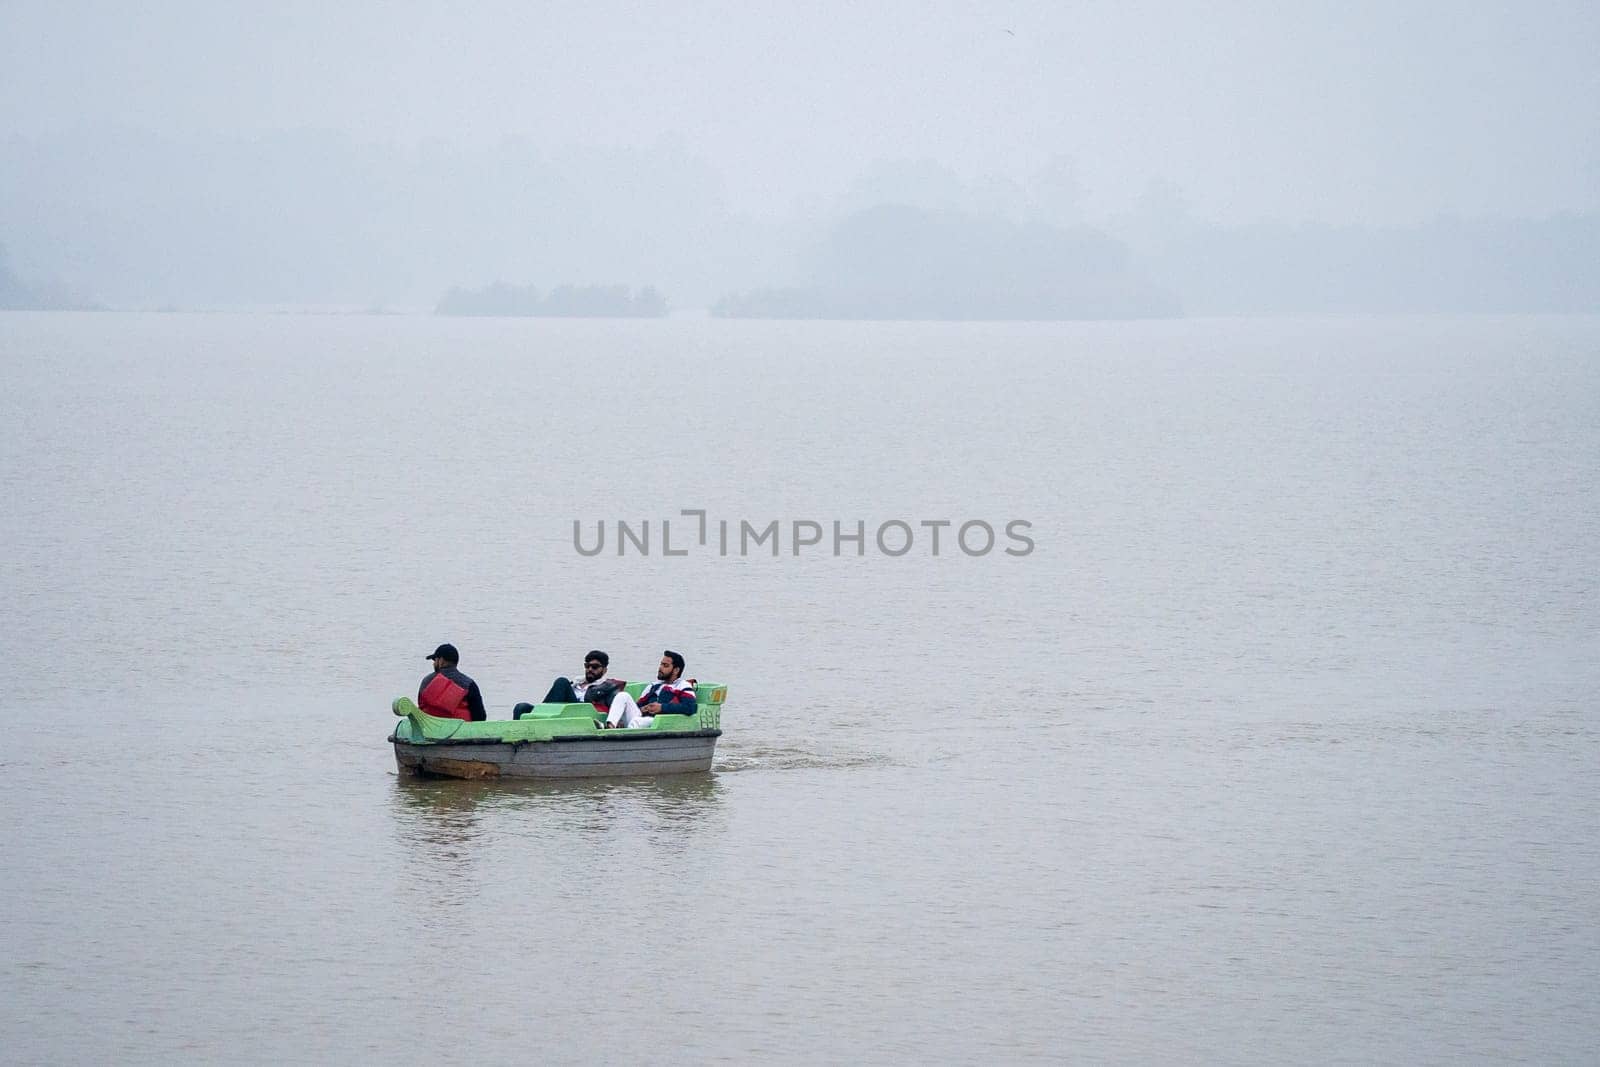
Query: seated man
x,y
447,693
670,695
594,688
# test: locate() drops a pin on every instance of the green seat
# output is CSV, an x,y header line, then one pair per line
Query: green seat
x,y
708,710
560,711
708,716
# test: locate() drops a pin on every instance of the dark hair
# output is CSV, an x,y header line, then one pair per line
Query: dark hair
x,y
605,660
677,660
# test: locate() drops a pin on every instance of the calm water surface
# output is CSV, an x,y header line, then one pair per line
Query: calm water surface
x,y
1282,745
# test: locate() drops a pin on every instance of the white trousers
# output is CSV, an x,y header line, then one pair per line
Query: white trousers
x,y
624,712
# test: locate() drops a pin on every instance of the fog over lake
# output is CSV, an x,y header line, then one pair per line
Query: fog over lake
x,y
1246,158
1151,524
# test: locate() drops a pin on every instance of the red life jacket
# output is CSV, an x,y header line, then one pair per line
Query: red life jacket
x,y
445,698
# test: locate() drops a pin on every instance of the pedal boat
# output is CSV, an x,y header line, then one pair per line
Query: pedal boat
x,y
557,741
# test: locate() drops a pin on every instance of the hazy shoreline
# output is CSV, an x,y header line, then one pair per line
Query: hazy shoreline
x,y
894,262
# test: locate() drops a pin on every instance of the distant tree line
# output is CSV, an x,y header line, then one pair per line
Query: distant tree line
x,y
564,301
900,262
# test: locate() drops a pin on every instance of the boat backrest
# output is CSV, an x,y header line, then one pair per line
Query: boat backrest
x,y
704,692
708,701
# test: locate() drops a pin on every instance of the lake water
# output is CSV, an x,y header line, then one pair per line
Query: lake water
x,y
1281,745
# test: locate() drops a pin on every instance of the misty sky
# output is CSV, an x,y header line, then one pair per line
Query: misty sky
x,y
1335,112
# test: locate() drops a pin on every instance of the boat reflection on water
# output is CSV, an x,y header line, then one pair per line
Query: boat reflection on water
x,y
449,805
452,832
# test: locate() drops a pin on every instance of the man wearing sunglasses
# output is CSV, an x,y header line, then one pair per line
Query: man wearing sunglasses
x,y
593,688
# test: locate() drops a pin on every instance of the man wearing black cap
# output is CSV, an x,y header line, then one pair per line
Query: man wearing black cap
x,y
447,693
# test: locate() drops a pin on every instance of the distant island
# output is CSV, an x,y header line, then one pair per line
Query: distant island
x,y
900,262
564,301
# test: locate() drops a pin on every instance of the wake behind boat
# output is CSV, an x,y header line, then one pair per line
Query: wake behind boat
x,y
557,741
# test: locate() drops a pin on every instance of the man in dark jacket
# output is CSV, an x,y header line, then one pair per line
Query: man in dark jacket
x,y
447,693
